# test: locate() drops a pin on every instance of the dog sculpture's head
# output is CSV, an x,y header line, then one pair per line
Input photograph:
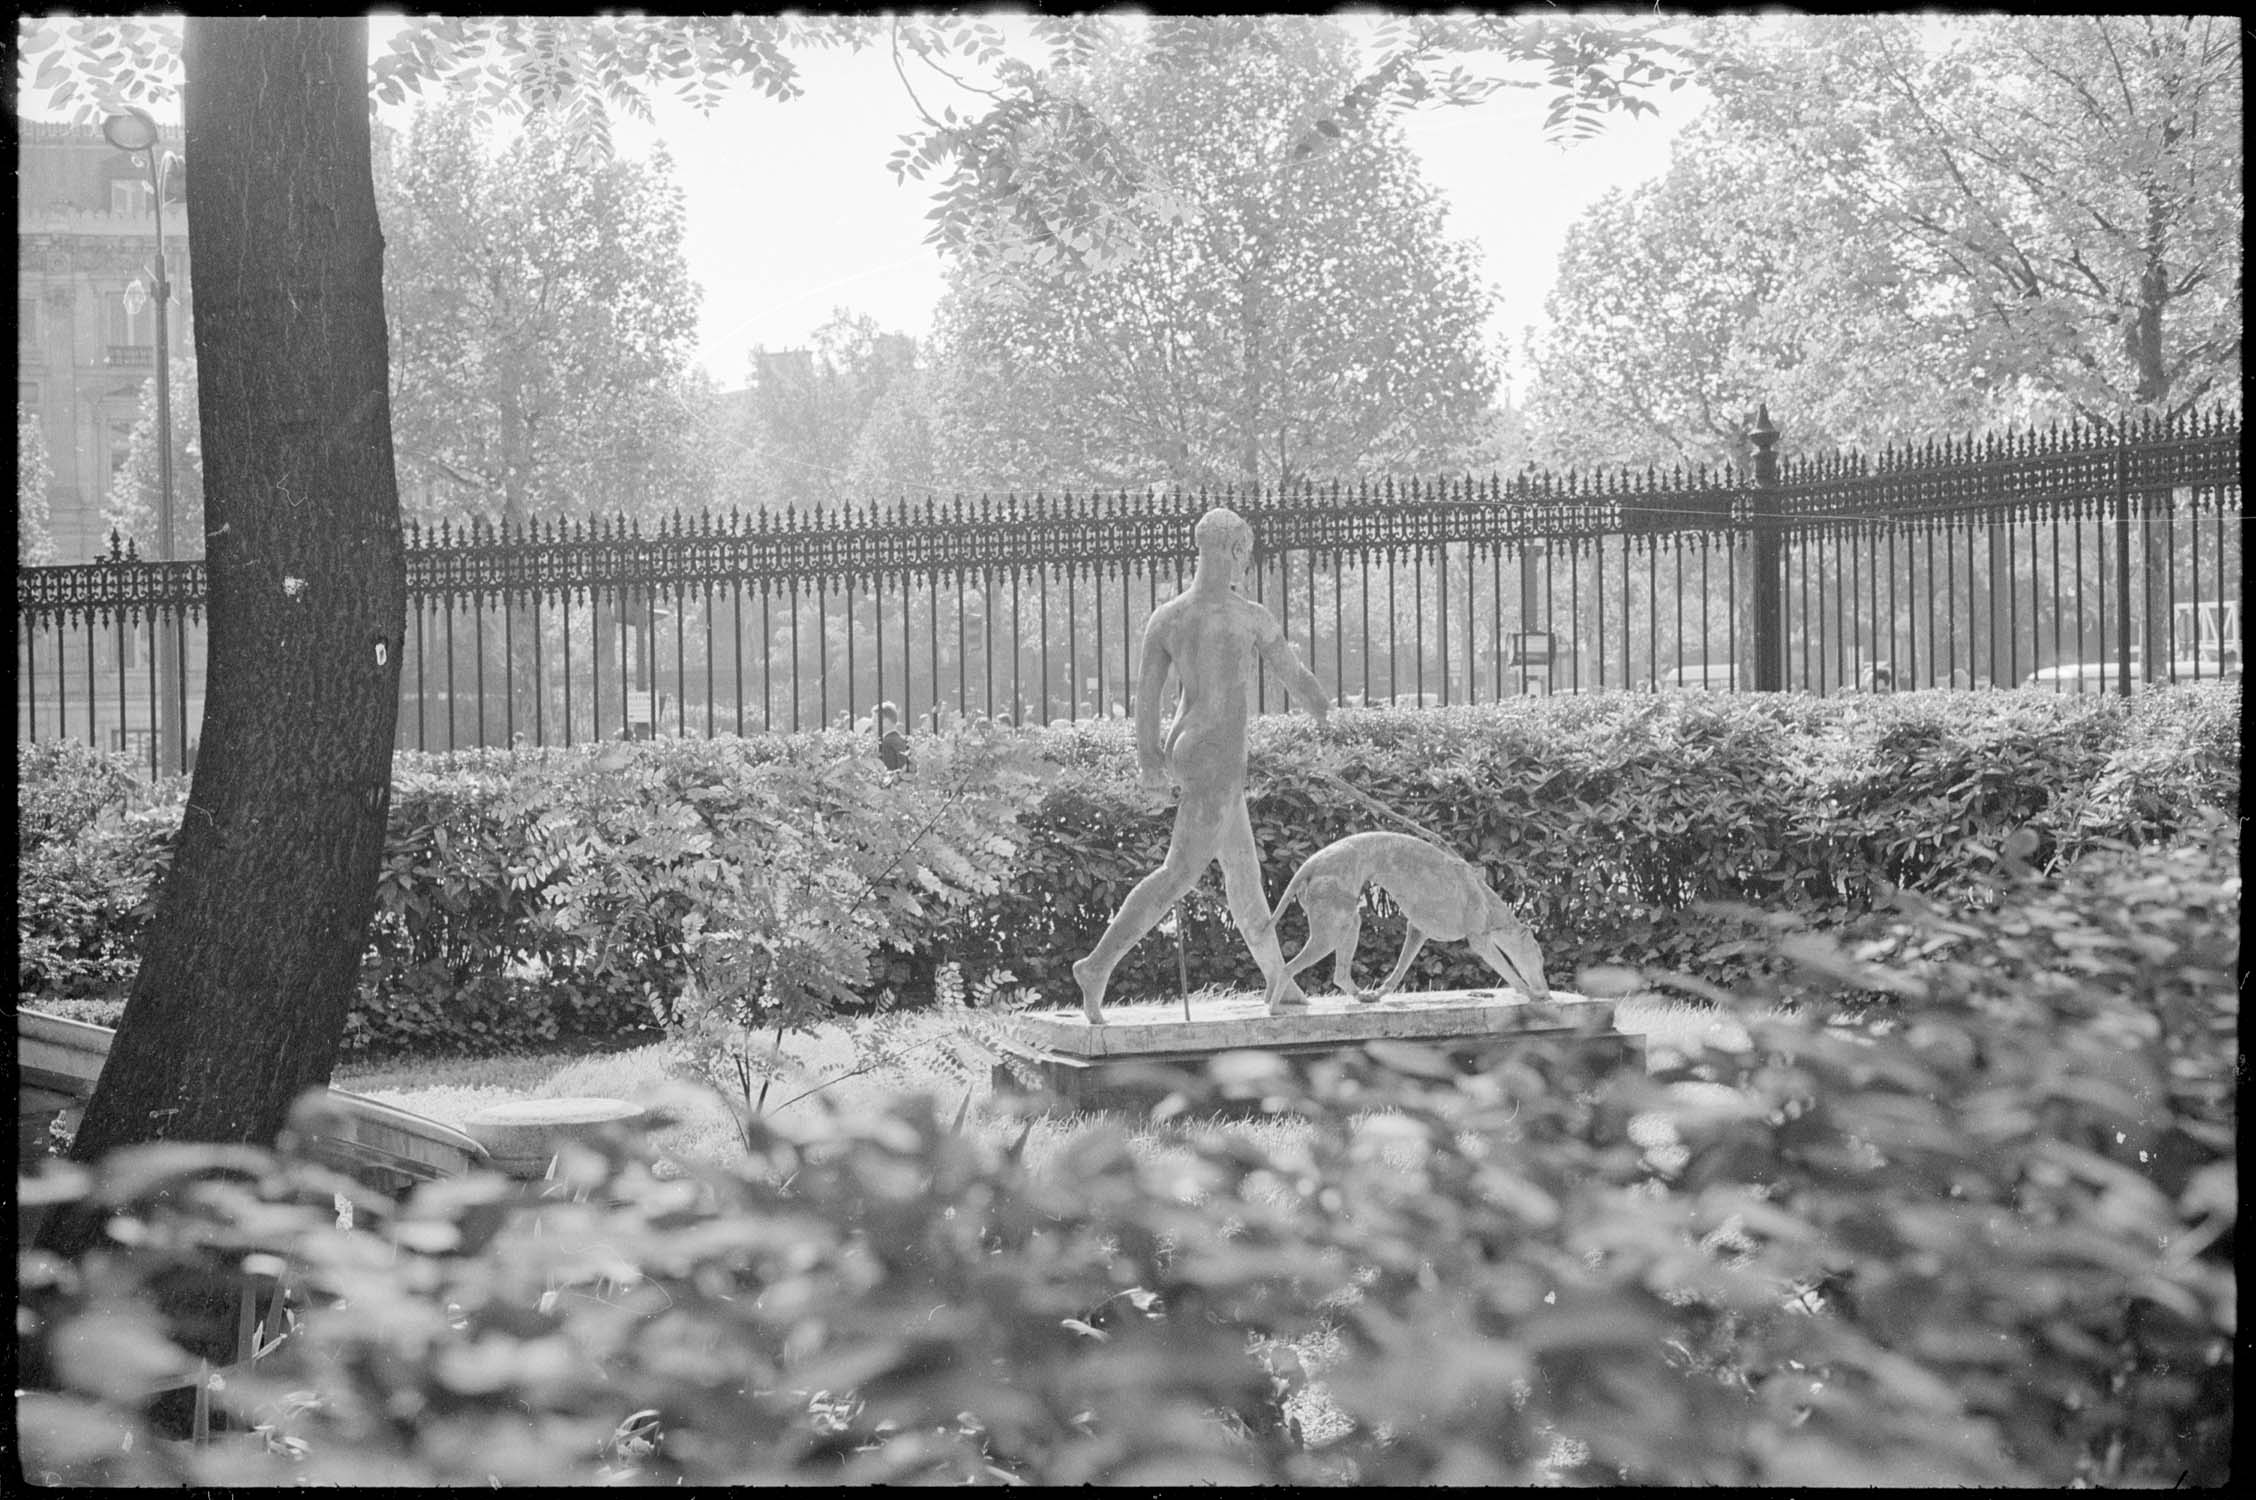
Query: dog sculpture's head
x,y
1510,950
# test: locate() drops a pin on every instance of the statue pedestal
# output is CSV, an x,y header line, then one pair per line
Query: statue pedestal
x,y
522,1137
1101,1067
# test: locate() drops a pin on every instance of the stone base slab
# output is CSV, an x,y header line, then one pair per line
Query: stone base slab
x,y
522,1136
1104,1067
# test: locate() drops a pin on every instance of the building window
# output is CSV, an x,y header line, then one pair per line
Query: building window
x,y
129,197
27,324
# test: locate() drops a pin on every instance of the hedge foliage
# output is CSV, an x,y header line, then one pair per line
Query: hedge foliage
x,y
559,894
1609,820
1983,1239
89,848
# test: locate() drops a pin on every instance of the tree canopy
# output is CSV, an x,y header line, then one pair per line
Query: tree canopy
x,y
1882,229
1023,145
1297,307
801,419
35,537
130,508
2070,184
1686,302
542,325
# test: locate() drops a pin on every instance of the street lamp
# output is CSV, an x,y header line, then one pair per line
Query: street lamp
x,y
134,130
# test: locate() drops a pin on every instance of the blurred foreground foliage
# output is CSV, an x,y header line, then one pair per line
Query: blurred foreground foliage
x,y
1979,1235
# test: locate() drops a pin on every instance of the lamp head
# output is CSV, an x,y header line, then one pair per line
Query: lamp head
x,y
130,129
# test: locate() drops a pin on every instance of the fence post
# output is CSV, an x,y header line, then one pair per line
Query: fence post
x,y
1770,606
2123,557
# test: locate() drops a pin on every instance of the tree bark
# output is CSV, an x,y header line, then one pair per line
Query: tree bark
x,y
251,962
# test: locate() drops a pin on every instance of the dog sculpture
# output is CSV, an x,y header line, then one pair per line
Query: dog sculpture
x,y
1441,895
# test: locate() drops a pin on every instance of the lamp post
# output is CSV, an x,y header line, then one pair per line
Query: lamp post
x,y
134,130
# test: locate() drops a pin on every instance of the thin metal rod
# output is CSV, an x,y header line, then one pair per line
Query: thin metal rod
x,y
478,662
540,692
1182,962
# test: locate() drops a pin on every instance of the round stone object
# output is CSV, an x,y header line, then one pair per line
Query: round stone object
x,y
522,1137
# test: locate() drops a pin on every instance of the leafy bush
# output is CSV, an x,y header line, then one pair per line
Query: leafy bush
x,y
89,855
81,906
92,1012
1985,1240
1615,822
595,891
62,788
2025,1181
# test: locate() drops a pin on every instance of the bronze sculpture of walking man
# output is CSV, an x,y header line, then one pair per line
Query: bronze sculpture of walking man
x,y
1210,636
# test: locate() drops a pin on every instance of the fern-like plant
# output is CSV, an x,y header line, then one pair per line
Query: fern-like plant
x,y
801,911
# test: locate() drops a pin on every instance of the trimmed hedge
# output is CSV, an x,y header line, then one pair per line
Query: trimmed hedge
x,y
557,894
1609,821
1986,1241
89,846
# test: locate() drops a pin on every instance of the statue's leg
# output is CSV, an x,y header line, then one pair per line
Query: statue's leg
x,y
1412,941
1189,848
1323,929
1343,963
1249,906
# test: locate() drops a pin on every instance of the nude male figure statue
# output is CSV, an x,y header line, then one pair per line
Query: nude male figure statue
x,y
1211,637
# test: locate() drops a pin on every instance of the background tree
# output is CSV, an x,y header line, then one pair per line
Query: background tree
x,y
1295,308
1890,229
543,322
804,411
1684,303
35,536
894,454
2076,180
130,509
1041,178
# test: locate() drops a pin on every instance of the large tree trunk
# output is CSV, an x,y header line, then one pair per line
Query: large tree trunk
x,y
250,964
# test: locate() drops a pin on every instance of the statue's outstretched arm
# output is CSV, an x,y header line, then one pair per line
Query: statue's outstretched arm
x,y
1151,684
1307,693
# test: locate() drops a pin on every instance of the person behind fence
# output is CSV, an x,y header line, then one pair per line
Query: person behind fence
x,y
892,745
1210,636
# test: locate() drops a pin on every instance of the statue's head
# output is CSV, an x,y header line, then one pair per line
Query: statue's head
x,y
1510,949
1224,540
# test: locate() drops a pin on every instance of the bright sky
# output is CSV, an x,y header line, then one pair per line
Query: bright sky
x,y
791,212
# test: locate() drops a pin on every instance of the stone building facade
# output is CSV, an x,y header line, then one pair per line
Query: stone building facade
x,y
86,350
85,315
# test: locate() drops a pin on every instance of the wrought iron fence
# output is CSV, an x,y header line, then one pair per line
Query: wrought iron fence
x,y
2029,559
